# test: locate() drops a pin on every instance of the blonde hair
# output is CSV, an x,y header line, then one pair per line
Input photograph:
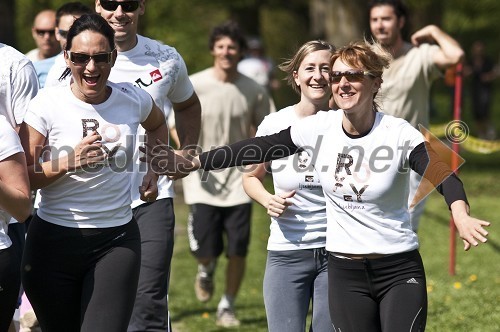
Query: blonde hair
x,y
290,66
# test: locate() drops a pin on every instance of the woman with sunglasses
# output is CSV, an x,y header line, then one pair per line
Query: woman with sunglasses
x,y
296,268
81,261
375,273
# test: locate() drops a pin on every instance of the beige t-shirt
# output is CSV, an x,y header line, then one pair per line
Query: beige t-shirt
x,y
406,87
230,113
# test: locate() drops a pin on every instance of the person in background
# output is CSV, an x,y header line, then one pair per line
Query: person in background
x,y
256,65
407,81
19,84
82,256
376,278
296,269
65,16
233,106
482,72
161,71
43,32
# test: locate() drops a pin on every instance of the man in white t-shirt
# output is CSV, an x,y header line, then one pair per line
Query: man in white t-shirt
x,y
160,70
407,82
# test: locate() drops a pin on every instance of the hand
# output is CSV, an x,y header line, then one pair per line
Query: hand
x,y
277,203
166,161
149,187
470,229
87,153
188,154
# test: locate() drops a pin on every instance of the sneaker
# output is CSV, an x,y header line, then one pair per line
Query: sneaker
x,y
203,287
227,318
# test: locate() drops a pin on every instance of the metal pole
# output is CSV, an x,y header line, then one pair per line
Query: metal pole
x,y
454,160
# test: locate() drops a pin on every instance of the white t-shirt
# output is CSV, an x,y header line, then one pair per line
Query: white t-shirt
x,y
98,197
365,181
303,224
9,145
230,111
405,92
56,71
161,71
18,84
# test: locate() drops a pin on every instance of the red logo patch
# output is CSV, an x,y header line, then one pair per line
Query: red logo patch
x,y
156,75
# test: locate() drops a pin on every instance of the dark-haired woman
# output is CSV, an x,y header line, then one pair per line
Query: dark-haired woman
x,y
81,262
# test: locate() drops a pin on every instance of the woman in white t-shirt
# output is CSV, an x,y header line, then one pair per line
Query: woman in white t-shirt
x,y
81,261
15,201
296,269
376,278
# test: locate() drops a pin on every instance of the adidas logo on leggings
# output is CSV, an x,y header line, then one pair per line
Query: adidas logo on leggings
x,y
412,281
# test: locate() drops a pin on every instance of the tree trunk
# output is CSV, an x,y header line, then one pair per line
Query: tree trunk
x,y
7,15
339,21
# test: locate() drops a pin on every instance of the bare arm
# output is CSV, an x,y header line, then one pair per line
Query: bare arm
x,y
253,183
87,152
15,195
156,129
450,53
188,121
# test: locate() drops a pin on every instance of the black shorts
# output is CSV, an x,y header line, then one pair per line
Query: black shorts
x,y
207,224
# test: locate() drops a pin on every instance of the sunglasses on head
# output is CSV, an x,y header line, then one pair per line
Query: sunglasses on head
x,y
41,32
82,59
350,75
127,6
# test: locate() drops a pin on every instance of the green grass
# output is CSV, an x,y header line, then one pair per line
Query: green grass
x,y
467,301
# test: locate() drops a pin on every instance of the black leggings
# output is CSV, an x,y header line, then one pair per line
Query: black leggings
x,y
81,279
10,281
387,294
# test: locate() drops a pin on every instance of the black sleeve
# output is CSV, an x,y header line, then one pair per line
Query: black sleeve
x,y
250,151
426,162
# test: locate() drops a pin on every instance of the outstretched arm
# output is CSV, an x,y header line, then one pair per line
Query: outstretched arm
x,y
450,53
426,162
165,160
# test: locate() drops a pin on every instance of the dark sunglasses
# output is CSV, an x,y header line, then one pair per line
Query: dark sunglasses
x,y
127,6
63,33
350,75
82,59
41,32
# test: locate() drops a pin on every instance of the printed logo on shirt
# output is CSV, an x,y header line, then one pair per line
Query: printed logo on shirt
x,y
155,75
344,163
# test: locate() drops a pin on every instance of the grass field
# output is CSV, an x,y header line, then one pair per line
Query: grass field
x,y
465,302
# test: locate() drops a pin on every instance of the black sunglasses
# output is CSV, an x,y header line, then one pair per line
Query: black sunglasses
x,y
41,32
62,33
350,75
127,6
82,59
